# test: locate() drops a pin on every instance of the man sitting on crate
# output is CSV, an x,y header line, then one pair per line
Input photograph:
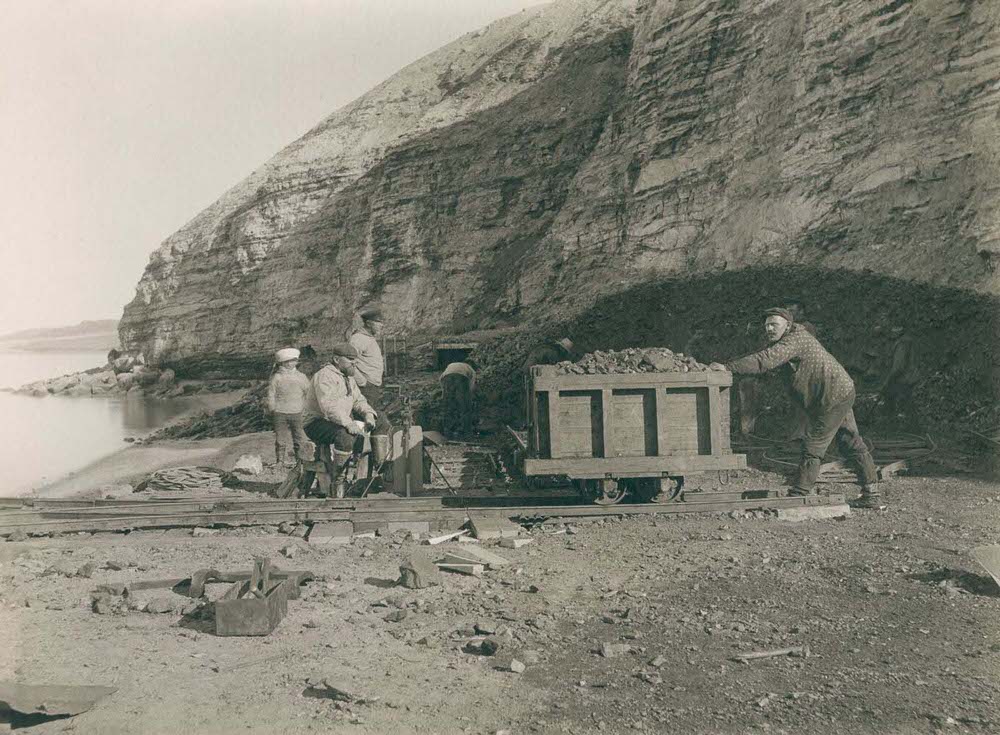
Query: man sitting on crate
x,y
824,390
333,403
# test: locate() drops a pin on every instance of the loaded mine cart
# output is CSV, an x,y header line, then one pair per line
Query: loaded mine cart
x,y
636,434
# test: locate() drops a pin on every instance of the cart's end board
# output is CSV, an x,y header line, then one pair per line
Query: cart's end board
x,y
629,424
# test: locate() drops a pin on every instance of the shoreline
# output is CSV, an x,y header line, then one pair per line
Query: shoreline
x,y
133,462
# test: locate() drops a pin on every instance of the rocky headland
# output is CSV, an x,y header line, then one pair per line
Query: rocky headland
x,y
585,148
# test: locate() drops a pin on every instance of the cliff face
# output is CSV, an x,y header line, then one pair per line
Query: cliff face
x,y
579,149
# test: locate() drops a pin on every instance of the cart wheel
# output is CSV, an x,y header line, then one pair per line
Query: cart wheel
x,y
610,492
601,492
670,489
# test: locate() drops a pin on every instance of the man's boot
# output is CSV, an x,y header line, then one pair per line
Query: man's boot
x,y
380,449
809,469
340,481
279,454
870,499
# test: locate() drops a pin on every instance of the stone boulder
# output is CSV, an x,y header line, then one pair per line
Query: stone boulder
x,y
61,385
123,364
419,572
249,464
145,376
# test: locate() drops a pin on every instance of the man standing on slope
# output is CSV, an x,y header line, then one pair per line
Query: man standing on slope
x,y
370,369
826,393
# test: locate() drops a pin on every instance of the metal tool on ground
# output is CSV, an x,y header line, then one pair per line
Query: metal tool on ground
x,y
793,651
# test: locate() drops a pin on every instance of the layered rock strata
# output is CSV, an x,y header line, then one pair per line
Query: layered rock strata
x,y
580,149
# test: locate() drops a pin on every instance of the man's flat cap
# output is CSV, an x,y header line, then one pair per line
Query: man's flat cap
x,y
778,311
345,349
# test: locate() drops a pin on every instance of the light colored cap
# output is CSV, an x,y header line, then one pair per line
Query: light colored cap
x,y
566,343
286,354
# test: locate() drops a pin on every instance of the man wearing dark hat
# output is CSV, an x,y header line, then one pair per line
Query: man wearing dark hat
x,y
825,391
333,403
370,368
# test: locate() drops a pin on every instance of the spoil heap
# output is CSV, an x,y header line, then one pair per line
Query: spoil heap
x,y
631,360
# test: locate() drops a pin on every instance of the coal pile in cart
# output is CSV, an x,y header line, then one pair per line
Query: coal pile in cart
x,y
632,360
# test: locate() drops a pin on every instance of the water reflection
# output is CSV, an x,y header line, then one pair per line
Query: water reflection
x,y
143,414
42,439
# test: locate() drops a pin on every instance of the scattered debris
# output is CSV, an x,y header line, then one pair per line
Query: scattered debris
x,y
474,555
486,527
489,647
613,650
447,537
814,512
517,543
476,570
989,558
335,691
161,605
418,572
793,651
50,700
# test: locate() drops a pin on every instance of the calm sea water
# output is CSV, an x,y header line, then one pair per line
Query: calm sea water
x,y
42,439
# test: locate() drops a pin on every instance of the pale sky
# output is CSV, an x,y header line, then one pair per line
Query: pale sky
x,y
122,119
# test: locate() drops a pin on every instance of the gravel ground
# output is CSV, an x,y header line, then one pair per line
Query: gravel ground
x,y
622,625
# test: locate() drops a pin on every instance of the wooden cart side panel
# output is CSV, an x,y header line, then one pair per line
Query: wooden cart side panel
x,y
634,423
686,416
576,427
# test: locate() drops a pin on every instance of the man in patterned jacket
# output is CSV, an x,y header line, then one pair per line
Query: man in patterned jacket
x,y
824,390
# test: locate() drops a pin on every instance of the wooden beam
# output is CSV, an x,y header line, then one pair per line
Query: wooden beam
x,y
608,423
551,381
634,466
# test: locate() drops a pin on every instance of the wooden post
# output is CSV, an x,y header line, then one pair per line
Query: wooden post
x,y
555,448
607,423
714,420
662,421
415,460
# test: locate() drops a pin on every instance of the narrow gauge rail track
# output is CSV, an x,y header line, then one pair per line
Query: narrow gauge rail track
x,y
46,517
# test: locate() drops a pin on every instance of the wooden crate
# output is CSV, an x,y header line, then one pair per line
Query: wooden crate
x,y
631,425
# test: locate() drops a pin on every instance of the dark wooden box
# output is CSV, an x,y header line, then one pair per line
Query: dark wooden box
x,y
237,614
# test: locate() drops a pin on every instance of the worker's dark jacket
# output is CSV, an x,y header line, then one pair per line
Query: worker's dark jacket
x,y
813,374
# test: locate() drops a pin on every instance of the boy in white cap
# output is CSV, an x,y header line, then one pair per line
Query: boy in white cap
x,y
286,399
